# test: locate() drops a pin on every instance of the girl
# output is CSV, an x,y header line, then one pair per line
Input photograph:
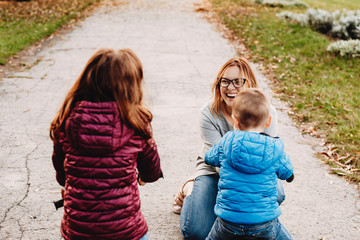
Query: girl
x,y
102,143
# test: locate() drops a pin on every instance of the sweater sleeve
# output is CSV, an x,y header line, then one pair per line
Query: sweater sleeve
x,y
58,158
210,132
212,128
148,162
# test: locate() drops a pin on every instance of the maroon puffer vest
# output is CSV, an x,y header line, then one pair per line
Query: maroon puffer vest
x,y
101,157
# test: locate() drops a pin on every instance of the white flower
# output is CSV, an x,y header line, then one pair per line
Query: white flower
x,y
281,3
340,24
349,47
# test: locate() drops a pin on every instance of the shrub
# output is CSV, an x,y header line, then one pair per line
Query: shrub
x,y
319,19
282,3
290,16
342,47
346,25
338,24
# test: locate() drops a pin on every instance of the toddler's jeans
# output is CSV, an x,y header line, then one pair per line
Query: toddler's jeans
x,y
271,230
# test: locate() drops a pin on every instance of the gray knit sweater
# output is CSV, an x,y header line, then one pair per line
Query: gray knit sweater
x,y
213,127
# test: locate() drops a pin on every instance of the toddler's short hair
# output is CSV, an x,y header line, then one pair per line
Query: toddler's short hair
x,y
251,108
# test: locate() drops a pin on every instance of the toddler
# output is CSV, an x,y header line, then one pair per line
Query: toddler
x,y
250,163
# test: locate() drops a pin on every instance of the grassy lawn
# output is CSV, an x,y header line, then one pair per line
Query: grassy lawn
x,y
24,23
322,88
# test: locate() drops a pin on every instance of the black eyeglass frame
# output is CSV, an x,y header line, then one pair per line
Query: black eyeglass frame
x,y
232,81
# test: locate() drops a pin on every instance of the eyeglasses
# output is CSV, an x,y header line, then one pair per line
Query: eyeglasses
x,y
237,82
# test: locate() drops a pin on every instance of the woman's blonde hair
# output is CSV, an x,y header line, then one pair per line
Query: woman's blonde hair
x,y
109,75
244,68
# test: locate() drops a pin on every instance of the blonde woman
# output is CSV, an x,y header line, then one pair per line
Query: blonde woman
x,y
196,199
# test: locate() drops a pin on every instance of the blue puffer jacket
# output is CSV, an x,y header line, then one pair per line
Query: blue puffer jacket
x,y
250,164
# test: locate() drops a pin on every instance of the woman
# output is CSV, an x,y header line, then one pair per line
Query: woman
x,y
196,199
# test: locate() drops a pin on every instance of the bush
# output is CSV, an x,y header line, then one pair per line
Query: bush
x,y
290,16
320,20
282,3
339,24
346,25
345,48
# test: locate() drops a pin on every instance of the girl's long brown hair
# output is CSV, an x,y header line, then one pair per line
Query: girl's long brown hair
x,y
109,76
244,68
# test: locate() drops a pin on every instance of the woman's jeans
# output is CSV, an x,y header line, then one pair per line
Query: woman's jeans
x,y
272,230
197,213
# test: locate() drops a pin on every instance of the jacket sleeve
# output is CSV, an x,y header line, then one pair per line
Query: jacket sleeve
x,y
148,162
58,158
212,156
285,170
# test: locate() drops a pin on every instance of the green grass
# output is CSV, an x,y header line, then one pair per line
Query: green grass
x,y
18,35
20,27
323,88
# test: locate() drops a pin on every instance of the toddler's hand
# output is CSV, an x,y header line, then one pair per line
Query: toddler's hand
x,y
291,178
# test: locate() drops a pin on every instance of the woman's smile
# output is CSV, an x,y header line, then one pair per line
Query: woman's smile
x,y
231,95
228,93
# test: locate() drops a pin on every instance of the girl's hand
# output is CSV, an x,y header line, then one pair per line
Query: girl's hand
x,y
151,142
141,183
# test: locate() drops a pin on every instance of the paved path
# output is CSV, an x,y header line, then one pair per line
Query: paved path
x,y
181,54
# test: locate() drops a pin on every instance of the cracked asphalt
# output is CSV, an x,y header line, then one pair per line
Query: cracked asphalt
x,y
181,53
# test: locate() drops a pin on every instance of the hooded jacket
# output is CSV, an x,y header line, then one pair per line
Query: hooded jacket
x,y
97,159
250,164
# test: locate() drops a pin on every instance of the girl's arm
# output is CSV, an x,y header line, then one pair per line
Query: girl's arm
x,y
148,162
58,158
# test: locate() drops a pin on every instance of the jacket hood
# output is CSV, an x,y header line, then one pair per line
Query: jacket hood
x,y
252,152
95,128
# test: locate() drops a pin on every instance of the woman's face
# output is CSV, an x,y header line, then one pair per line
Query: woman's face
x,y
228,93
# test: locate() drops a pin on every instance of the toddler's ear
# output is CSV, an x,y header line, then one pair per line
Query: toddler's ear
x,y
236,122
268,122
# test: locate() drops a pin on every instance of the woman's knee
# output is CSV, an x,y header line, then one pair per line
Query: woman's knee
x,y
197,215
